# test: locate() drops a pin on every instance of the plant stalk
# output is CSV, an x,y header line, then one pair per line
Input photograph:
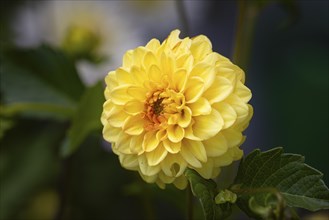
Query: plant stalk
x,y
247,16
183,17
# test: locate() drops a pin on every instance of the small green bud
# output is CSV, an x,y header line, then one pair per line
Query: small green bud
x,y
225,196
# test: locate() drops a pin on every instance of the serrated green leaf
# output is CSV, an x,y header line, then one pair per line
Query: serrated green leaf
x,y
85,120
205,190
274,172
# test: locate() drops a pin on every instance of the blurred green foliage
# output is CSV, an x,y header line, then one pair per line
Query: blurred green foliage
x,y
46,115
46,112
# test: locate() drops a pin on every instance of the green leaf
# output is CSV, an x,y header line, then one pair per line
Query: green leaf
x,y
40,82
5,124
86,119
40,75
205,190
262,175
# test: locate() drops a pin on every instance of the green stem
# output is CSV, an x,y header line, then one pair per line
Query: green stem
x,y
250,191
189,203
247,15
63,187
182,16
147,205
16,108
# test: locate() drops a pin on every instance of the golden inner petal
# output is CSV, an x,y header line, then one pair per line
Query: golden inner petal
x,y
159,106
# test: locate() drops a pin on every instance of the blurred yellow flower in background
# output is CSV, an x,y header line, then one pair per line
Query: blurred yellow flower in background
x,y
90,31
174,105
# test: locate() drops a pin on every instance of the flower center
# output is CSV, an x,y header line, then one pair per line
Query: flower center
x,y
161,105
157,106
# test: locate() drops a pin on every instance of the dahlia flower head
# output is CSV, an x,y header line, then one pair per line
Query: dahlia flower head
x,y
176,105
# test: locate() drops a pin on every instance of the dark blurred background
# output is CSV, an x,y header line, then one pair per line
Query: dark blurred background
x,y
53,161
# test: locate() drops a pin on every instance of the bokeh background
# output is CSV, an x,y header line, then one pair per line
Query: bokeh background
x,y
55,54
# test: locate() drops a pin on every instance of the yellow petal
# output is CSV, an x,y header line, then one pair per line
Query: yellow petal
x,y
174,165
200,107
206,72
138,74
233,153
185,61
172,39
111,81
138,55
155,73
124,77
138,93
134,107
136,144
207,126
201,47
156,156
189,157
227,72
123,143
237,153
150,141
134,125
189,132
224,160
179,79
107,107
182,46
197,149
243,92
216,146
153,45
149,60
172,120
243,122
111,133
219,90
184,117
119,95
194,89
149,179
116,116
107,93
128,59
206,170
167,64
241,108
234,138
161,135
129,161
146,168
160,184
166,179
180,182
212,58
175,133
172,147
227,112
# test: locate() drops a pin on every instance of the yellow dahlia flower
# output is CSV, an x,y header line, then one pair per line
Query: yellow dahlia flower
x,y
174,105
